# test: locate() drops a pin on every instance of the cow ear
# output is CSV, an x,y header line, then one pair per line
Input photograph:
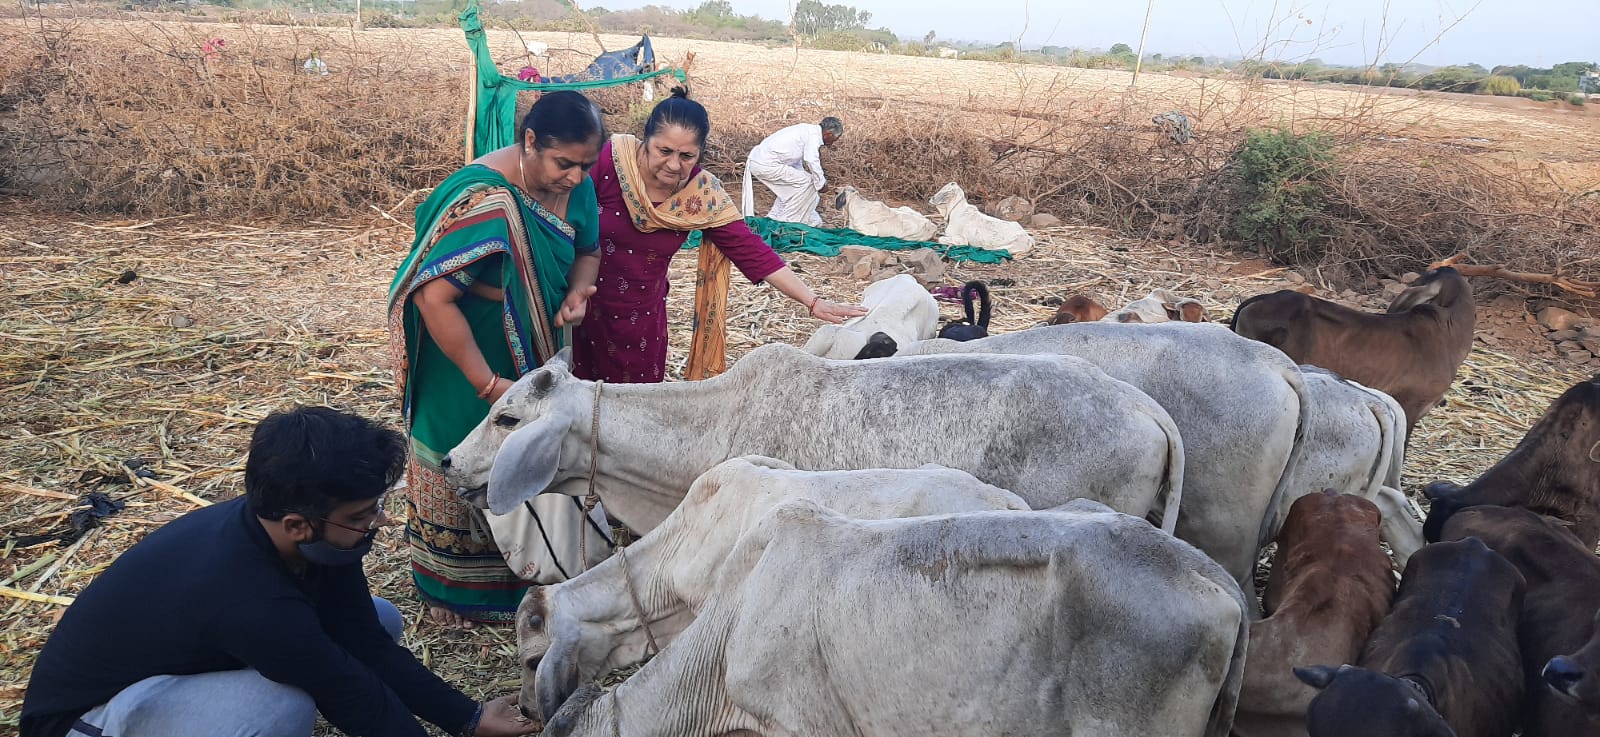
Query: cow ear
x,y
1415,296
527,462
1316,676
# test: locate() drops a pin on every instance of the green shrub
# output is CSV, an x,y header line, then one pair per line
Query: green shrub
x,y
1501,85
1279,193
1578,100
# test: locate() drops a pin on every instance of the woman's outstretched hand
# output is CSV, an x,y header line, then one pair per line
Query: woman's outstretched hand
x,y
836,313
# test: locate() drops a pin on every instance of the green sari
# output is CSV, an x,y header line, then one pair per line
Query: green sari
x,y
475,228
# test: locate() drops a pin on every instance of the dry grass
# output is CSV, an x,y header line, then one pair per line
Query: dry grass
x,y
165,375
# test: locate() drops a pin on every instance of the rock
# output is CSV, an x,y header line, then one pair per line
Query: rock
x,y
1591,344
1555,318
1393,289
862,262
127,277
925,264
1295,277
1579,356
179,321
1571,345
1409,277
1562,336
1348,294
1013,208
1044,220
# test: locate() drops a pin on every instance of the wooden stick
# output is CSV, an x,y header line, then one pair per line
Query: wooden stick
x,y
708,355
472,105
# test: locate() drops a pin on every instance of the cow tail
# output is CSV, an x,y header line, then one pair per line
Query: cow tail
x,y
1292,377
1227,704
1172,496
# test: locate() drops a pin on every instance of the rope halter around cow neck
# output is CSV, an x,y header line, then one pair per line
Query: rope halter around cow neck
x,y
590,500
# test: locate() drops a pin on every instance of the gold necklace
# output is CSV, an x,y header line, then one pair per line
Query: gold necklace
x,y
522,174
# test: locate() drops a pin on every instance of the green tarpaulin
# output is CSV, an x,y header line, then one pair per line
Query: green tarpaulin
x,y
791,237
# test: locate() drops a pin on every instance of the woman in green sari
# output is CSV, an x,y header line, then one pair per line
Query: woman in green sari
x,y
505,255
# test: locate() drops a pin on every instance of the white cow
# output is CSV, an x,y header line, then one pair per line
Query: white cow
x,y
591,625
1355,444
1079,621
966,225
1052,428
1239,404
874,218
899,307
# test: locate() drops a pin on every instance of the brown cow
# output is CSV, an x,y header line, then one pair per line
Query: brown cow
x,y
1554,471
1410,353
1577,676
1444,663
1078,308
1332,585
1563,578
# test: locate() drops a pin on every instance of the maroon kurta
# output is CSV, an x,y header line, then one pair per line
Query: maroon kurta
x,y
623,338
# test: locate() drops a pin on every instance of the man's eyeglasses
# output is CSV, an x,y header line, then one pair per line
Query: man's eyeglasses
x,y
372,529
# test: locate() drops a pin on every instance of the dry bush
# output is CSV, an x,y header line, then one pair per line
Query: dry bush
x,y
106,118
143,121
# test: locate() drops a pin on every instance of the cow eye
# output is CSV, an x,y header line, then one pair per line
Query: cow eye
x,y
506,421
535,621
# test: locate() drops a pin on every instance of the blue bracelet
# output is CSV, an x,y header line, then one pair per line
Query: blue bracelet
x,y
472,724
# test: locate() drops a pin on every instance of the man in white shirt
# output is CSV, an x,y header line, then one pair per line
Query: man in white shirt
x,y
781,162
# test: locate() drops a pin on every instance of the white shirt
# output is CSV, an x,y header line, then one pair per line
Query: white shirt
x,y
793,146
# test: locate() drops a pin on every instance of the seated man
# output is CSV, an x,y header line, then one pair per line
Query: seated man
x,y
250,616
780,162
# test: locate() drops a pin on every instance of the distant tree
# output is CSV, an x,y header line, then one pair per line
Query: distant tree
x,y
715,9
1155,58
927,40
1198,61
812,17
1118,49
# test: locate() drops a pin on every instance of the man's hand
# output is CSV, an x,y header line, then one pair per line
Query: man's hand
x,y
502,718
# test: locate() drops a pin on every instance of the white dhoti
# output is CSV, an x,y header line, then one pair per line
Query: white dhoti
x,y
540,540
795,188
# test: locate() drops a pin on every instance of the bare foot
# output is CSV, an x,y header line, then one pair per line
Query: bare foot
x,y
443,617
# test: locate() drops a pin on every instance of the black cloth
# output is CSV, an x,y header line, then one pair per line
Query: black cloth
x,y
209,592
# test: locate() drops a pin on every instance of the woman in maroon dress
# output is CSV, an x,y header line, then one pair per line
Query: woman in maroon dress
x,y
652,193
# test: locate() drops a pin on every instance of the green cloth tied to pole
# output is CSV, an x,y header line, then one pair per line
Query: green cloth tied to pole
x,y
790,237
496,95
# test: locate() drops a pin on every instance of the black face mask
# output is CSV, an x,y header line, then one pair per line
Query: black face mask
x,y
324,553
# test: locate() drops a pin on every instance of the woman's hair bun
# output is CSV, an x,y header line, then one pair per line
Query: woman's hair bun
x,y
680,91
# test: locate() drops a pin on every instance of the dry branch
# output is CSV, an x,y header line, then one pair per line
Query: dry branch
x,y
1579,287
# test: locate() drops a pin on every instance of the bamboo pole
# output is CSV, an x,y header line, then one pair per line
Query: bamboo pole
x,y
472,106
1138,61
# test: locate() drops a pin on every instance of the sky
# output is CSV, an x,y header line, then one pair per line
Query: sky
x,y
1489,32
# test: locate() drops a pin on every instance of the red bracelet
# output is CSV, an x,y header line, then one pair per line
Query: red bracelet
x,y
812,308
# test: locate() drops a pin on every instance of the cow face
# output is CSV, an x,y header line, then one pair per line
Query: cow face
x,y
1444,287
533,415
533,641
1576,677
1357,701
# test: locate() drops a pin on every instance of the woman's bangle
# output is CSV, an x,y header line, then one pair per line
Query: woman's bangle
x,y
489,387
811,309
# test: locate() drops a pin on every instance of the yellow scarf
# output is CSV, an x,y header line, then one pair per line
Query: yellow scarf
x,y
699,204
